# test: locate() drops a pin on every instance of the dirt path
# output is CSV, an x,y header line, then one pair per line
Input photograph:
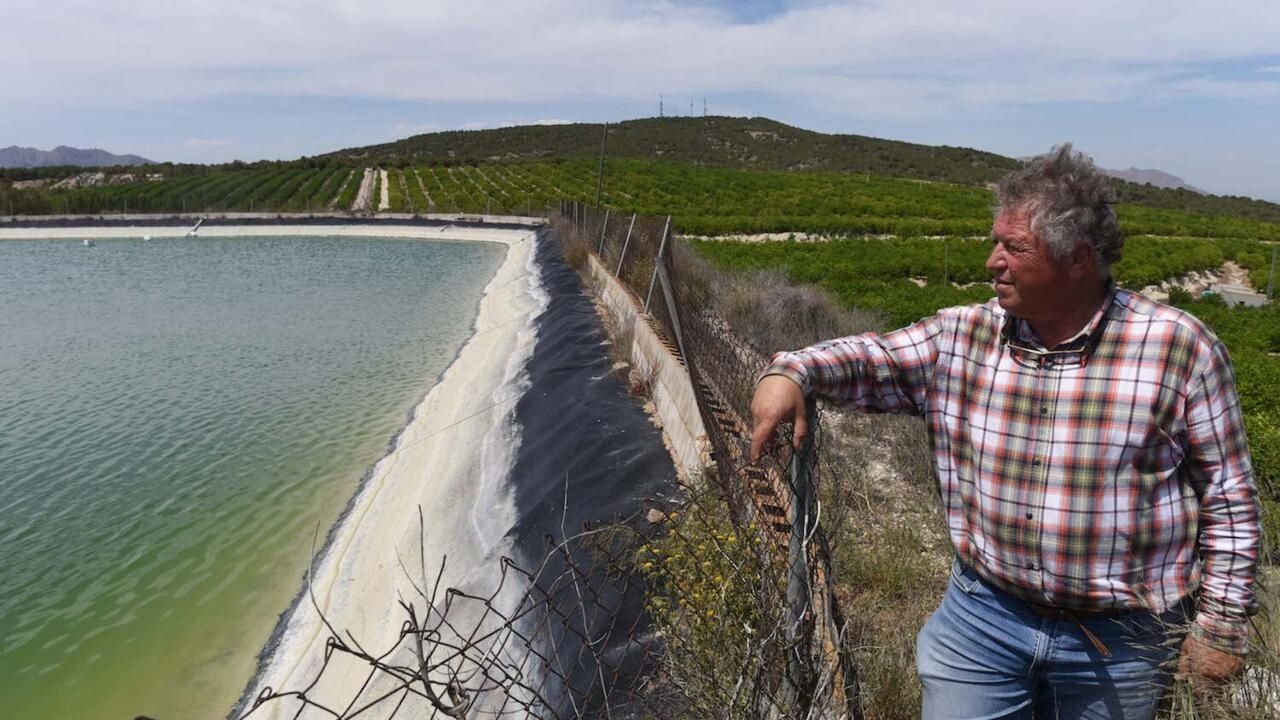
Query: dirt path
x,y
1197,282
1233,274
364,198
384,202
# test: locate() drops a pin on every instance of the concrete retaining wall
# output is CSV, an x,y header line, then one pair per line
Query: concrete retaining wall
x,y
671,389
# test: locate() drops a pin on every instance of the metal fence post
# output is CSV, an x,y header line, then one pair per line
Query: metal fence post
x,y
604,227
798,595
671,310
662,247
618,273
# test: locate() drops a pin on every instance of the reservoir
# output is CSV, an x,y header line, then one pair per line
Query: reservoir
x,y
181,422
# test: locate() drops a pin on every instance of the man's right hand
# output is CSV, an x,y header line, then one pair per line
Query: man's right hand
x,y
778,399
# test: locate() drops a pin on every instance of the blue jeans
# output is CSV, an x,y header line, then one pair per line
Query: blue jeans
x,y
985,654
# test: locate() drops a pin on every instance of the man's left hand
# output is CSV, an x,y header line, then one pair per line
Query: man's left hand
x,y
1205,665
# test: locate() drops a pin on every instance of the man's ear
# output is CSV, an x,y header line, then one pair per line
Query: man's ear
x,y
1083,261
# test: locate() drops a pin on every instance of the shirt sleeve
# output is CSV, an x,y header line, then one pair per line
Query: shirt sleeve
x,y
875,373
1221,473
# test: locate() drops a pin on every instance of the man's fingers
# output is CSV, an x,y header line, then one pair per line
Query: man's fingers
x,y
801,430
1207,666
760,436
777,399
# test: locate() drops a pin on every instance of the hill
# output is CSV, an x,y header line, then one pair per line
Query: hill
x,y
742,143
27,157
758,144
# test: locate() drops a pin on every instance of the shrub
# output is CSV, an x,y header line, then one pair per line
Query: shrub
x,y
705,600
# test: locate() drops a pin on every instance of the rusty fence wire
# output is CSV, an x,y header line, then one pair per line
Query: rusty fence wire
x,y
720,603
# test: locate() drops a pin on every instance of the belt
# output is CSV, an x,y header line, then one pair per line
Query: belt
x,y
1077,617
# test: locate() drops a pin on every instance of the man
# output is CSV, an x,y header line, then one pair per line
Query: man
x,y
1091,461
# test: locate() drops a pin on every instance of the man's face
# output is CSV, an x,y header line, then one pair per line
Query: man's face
x,y
1030,283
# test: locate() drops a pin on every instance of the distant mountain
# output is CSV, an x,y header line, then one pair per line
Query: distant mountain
x,y
25,157
1156,178
746,143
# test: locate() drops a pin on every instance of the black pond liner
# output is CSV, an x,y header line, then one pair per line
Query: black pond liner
x,y
584,437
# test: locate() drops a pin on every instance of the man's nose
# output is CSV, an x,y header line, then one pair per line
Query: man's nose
x,y
996,260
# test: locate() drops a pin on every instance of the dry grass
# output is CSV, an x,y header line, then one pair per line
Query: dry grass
x,y
891,551
575,246
768,310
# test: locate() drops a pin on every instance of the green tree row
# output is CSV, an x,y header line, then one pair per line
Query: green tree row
x,y
707,200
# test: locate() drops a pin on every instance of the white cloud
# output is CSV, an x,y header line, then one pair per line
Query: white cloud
x,y
901,58
403,128
508,122
1269,70
1234,89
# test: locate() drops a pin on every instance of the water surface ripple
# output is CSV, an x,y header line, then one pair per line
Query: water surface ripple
x,y
177,419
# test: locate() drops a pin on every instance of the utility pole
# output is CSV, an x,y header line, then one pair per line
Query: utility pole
x,y
704,106
604,135
660,105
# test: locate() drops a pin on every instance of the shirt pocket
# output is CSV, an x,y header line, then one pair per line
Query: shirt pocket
x,y
1149,452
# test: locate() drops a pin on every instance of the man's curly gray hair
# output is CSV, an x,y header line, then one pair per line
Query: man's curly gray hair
x,y
1069,201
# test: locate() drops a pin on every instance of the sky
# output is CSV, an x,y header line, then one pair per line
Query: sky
x,y
1191,88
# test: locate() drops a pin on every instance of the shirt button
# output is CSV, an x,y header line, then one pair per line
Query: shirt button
x,y
1031,566
1030,516
1035,463
1044,410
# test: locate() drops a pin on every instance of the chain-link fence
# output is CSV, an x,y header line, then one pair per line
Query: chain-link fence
x,y
775,499
719,603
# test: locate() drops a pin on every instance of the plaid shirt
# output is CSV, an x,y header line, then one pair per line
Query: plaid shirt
x,y
1111,473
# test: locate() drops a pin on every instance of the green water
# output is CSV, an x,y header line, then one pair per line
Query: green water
x,y
178,420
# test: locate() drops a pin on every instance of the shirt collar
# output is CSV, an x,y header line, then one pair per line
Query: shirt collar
x,y
1021,329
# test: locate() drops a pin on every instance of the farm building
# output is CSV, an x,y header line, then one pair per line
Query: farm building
x,y
1238,295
